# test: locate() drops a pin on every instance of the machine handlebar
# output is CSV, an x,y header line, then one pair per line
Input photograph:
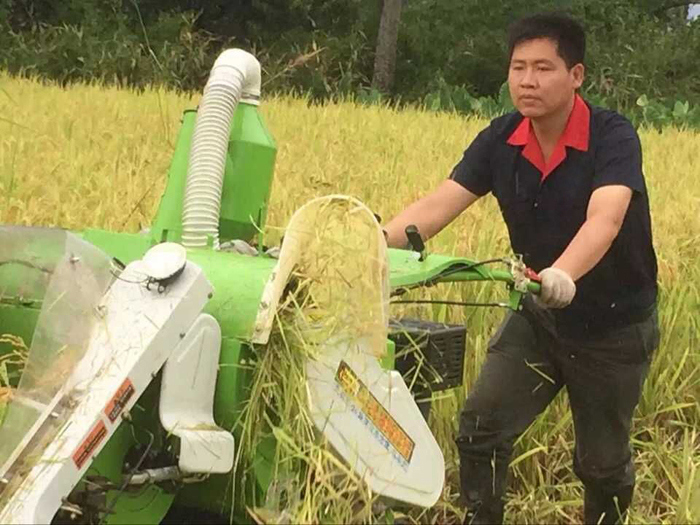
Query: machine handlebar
x,y
413,268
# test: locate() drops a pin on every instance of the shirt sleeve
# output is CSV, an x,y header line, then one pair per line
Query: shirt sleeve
x,y
618,160
473,172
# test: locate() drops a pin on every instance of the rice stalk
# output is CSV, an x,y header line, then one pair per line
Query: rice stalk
x,y
11,365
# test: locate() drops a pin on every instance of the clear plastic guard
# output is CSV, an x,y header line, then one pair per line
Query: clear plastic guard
x,y
70,276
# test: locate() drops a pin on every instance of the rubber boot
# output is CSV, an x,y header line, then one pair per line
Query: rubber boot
x,y
479,513
600,508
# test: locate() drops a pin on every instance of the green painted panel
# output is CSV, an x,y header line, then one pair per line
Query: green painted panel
x,y
19,320
248,174
127,247
167,225
405,269
238,282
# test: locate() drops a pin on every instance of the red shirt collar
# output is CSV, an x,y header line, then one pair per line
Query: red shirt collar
x,y
576,135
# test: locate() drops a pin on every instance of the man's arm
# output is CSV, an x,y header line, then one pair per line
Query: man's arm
x,y
430,213
618,174
437,209
606,212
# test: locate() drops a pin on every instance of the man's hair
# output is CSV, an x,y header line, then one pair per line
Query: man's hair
x,y
566,32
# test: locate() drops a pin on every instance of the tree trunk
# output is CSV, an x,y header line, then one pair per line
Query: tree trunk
x,y
385,56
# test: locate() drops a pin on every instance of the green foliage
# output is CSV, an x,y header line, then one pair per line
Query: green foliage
x,y
173,53
647,111
651,57
452,54
326,67
659,113
458,98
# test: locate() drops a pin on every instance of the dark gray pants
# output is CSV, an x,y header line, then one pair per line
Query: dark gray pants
x,y
526,365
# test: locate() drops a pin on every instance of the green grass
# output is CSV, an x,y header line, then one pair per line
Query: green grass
x,y
97,157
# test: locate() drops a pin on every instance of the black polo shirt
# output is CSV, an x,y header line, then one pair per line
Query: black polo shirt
x,y
545,206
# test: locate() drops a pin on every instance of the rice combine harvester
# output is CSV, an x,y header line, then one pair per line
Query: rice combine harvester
x,y
136,378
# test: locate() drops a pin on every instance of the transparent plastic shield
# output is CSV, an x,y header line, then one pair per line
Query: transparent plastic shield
x,y
70,277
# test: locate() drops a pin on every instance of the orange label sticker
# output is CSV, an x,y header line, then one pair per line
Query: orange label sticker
x,y
119,400
374,413
88,446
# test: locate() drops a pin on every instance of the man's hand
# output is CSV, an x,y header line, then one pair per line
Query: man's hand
x,y
557,288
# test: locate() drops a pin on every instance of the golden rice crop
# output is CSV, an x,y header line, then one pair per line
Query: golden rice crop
x,y
14,360
90,156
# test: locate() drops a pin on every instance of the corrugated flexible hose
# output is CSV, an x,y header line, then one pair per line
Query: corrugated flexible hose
x,y
235,76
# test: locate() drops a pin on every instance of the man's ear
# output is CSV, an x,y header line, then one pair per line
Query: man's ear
x,y
578,73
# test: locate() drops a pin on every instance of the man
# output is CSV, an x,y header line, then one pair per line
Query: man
x,y
568,179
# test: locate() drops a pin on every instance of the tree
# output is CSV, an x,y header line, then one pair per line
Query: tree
x,y
387,37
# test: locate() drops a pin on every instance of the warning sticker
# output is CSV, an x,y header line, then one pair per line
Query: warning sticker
x,y
88,446
119,400
373,412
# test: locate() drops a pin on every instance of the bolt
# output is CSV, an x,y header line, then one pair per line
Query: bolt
x,y
182,335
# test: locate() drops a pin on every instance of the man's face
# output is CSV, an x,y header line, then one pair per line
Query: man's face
x,y
540,83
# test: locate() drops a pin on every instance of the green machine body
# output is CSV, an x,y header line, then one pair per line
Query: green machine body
x,y
249,169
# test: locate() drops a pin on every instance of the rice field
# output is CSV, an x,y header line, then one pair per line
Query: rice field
x,y
90,156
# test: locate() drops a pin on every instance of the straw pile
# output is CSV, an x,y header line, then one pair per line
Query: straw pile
x,y
337,290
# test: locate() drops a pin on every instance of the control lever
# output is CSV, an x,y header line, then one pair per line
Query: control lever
x,y
415,240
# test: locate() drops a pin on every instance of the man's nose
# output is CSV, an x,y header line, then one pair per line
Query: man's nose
x,y
528,79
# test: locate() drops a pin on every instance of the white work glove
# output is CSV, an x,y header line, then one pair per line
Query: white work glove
x,y
557,288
